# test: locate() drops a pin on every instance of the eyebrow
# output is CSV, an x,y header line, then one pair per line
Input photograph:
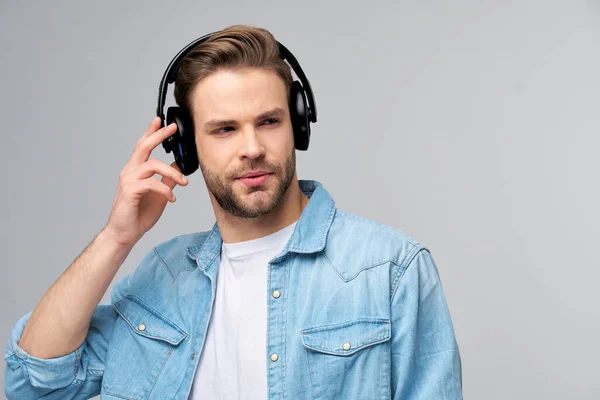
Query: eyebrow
x,y
215,123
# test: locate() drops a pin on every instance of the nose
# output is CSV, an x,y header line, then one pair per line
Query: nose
x,y
251,146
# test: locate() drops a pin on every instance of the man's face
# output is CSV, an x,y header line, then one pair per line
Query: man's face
x,y
242,124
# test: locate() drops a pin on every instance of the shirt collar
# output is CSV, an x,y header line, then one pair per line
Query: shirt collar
x,y
309,235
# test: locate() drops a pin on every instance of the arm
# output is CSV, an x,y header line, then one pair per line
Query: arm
x,y
60,322
74,375
54,348
426,362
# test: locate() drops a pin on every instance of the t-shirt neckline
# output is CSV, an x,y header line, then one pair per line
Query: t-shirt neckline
x,y
247,247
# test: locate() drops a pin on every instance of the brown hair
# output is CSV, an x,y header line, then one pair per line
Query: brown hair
x,y
235,48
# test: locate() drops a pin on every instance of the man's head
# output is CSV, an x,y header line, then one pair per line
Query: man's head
x,y
236,88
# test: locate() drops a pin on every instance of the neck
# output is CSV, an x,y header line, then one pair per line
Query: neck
x,y
236,229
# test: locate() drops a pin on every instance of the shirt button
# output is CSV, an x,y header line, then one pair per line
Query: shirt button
x,y
274,357
141,327
276,294
193,355
346,346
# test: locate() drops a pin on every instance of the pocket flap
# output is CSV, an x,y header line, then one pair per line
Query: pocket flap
x,y
13,362
148,322
347,338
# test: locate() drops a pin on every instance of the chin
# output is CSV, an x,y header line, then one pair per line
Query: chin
x,y
257,195
253,209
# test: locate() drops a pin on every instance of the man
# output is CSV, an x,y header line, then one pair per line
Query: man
x,y
285,297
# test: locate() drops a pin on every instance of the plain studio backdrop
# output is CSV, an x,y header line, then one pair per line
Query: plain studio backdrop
x,y
471,125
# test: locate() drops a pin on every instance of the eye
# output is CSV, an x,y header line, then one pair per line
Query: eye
x,y
272,121
222,131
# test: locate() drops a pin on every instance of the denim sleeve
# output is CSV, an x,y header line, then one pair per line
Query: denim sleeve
x,y
426,362
77,375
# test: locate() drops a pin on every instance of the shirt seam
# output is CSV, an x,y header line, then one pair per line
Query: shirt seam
x,y
410,257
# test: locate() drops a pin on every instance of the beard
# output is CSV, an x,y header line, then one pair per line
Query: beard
x,y
248,204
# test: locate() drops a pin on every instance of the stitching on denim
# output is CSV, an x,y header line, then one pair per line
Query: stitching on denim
x,y
75,364
381,321
312,385
212,256
181,385
183,269
323,230
161,369
377,264
268,331
372,340
362,345
345,353
332,266
14,358
387,381
147,307
209,263
310,367
142,304
455,349
25,366
117,395
140,333
327,223
395,281
407,261
283,335
99,372
163,263
155,377
193,247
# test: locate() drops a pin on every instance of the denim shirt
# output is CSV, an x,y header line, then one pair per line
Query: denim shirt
x,y
359,314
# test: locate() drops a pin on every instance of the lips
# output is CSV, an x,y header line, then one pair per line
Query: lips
x,y
252,180
253,174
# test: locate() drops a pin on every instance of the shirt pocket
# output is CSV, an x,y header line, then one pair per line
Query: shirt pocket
x,y
142,342
349,360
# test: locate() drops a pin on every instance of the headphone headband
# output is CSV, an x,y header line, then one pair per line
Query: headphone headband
x,y
173,68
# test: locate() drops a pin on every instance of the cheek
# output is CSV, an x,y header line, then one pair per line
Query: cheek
x,y
282,144
210,155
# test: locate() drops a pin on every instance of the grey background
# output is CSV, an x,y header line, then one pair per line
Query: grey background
x,y
471,125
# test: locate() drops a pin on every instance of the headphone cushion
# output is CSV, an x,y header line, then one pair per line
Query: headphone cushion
x,y
182,141
299,116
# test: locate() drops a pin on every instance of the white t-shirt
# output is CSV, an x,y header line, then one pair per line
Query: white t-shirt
x,y
233,363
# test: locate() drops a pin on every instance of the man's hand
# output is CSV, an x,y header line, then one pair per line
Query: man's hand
x,y
141,198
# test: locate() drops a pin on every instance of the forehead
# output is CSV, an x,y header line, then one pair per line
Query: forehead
x,y
237,94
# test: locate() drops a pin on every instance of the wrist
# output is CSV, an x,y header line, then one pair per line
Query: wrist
x,y
107,238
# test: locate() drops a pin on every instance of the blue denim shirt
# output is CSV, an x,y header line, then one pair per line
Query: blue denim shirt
x,y
361,315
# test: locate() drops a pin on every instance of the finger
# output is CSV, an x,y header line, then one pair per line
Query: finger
x,y
145,145
154,126
155,166
170,182
153,185
134,161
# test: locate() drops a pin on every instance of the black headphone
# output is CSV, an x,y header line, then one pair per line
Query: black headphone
x,y
182,142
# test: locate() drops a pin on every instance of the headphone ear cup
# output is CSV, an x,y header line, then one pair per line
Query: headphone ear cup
x,y
182,141
299,116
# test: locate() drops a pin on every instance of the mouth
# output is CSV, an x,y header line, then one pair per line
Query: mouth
x,y
254,178
254,174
